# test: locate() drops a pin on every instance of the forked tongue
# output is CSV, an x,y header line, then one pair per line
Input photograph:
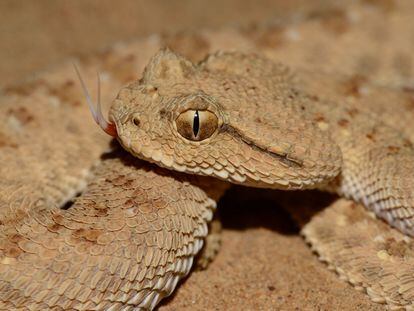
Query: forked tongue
x,y
108,127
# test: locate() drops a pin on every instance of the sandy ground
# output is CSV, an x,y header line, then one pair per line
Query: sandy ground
x,y
263,264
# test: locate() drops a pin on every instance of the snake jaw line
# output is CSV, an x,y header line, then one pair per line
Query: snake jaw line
x,y
108,127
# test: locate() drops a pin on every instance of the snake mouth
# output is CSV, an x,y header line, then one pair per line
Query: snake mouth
x,y
110,129
285,157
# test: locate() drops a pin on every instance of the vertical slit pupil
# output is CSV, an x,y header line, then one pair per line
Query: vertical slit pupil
x,y
196,124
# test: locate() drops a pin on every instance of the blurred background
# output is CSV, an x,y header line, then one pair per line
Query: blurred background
x,y
35,34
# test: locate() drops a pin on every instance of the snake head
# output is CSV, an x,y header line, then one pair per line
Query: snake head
x,y
233,116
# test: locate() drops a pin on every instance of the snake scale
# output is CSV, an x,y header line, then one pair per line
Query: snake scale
x,y
321,104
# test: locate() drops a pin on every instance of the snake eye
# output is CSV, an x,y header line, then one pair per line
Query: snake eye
x,y
196,125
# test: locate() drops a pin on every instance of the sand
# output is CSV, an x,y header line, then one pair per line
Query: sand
x,y
264,264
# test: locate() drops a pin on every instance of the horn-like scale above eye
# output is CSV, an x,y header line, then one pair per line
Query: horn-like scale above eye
x,y
196,125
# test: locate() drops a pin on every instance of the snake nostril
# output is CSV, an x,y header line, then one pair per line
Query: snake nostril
x,y
136,121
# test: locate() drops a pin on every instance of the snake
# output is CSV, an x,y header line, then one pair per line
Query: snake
x,y
86,225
